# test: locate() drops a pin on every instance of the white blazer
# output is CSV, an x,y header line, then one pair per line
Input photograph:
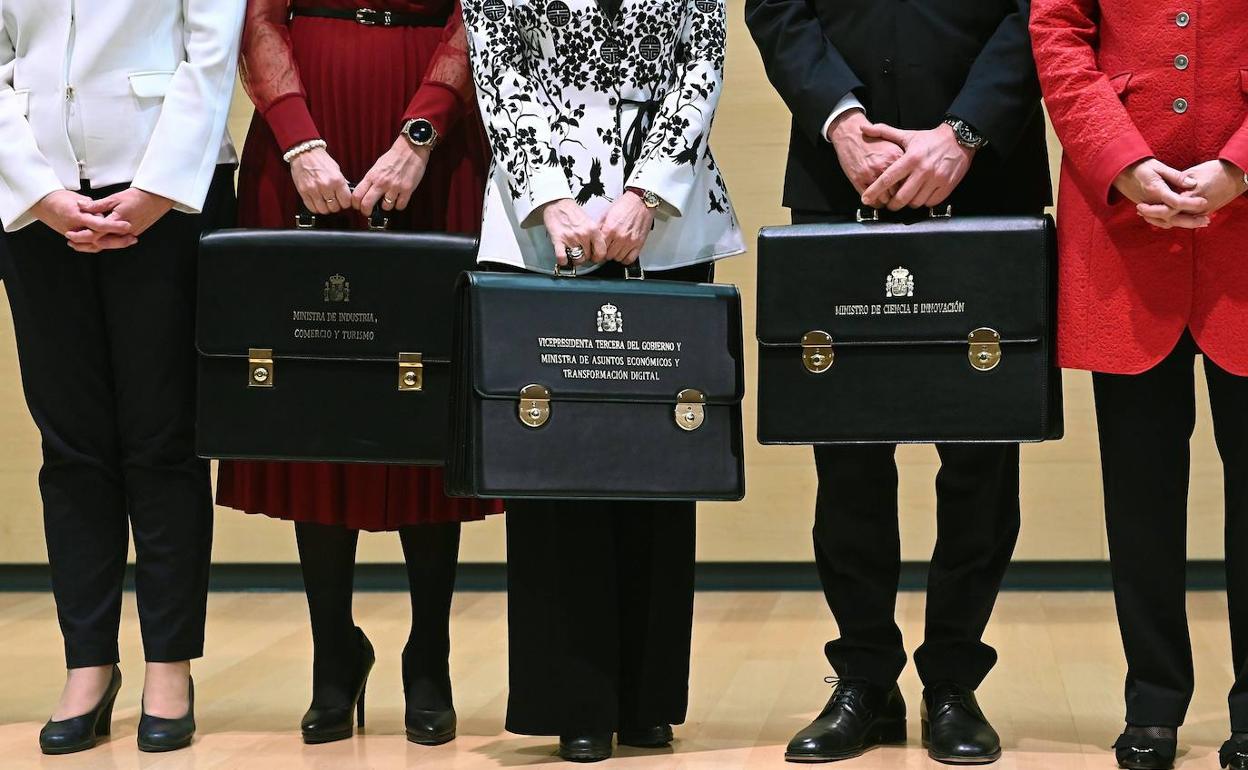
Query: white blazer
x,y
114,91
579,105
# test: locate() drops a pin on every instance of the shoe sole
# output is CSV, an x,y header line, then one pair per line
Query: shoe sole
x,y
331,738
62,750
810,759
154,748
584,758
987,759
1143,766
436,740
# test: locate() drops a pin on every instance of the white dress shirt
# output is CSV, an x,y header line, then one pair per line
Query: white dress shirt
x,y
848,102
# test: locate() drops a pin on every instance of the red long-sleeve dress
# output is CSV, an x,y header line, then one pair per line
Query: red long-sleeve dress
x,y
355,86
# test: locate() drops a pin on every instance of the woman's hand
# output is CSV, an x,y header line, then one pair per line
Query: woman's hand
x,y
393,178
1165,194
570,227
320,182
625,227
63,211
140,208
1217,181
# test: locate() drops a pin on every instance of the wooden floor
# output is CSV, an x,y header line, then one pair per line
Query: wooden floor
x,y
757,678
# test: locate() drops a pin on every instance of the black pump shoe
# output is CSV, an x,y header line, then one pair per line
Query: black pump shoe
x,y
955,730
1234,753
158,734
327,722
585,748
430,728
859,716
1146,752
430,719
84,731
655,737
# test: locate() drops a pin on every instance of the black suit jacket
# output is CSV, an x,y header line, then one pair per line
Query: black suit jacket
x,y
910,63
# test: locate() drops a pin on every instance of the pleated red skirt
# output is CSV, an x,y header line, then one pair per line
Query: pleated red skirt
x,y
359,81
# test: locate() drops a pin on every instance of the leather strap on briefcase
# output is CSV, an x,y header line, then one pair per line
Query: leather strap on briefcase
x,y
939,329
585,388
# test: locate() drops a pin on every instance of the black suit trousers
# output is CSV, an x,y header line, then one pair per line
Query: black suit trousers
x,y
600,607
1145,423
107,353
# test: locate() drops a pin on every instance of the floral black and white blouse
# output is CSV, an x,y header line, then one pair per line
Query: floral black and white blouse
x,y
581,104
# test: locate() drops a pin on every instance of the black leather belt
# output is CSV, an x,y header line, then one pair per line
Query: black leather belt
x,y
370,17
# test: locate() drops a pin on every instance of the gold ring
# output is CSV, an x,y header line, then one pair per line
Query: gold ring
x,y
388,199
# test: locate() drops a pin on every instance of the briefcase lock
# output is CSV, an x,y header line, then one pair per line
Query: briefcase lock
x,y
534,405
411,372
690,409
260,368
985,349
817,353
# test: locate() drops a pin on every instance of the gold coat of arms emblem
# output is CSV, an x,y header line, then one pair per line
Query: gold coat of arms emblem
x,y
337,289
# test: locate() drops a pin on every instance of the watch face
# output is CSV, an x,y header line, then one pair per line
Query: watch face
x,y
421,131
968,135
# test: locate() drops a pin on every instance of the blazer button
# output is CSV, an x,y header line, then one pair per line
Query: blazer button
x,y
888,67
1181,62
1180,105
1183,19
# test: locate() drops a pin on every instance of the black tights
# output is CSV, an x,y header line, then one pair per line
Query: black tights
x,y
327,557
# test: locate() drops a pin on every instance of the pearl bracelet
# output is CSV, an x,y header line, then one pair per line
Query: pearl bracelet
x,y
299,149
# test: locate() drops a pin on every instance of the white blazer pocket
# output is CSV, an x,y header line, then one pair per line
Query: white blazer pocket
x,y
150,85
23,101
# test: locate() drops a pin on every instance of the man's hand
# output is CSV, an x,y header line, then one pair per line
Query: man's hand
x,y
570,227
863,158
140,208
933,165
626,226
1163,195
393,178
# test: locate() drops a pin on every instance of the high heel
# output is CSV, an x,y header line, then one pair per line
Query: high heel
x,y
82,732
424,725
327,722
158,734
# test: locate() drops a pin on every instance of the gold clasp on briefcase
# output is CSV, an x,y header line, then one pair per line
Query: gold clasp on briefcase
x,y
534,405
817,353
690,409
259,368
985,349
411,372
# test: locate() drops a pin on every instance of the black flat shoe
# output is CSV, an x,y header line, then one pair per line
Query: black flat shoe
x,y
955,730
430,714
655,737
1151,750
859,716
1234,753
328,721
585,748
84,731
158,734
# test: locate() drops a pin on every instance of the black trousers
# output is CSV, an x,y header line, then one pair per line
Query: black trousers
x,y
600,608
1145,423
107,352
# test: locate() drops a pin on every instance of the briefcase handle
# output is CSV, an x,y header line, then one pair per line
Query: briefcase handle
x,y
633,272
867,215
377,219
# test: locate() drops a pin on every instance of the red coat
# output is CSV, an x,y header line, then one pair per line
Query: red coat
x,y
1126,80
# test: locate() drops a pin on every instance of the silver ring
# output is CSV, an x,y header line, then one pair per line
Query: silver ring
x,y
575,252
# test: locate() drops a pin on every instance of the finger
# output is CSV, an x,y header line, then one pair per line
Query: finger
x,y
307,201
599,242
102,206
914,183
1190,221
389,198
342,191
1179,180
925,193
632,257
329,197
370,199
110,224
1159,223
404,199
561,249
896,173
1188,204
885,131
85,248
85,235
1155,211
116,242
362,189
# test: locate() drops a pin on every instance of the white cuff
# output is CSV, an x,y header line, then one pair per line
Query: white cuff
x,y
848,102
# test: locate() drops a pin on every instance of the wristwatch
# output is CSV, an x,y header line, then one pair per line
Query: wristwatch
x,y
421,133
651,200
966,135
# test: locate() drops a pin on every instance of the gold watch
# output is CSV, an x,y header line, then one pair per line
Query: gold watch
x,y
649,198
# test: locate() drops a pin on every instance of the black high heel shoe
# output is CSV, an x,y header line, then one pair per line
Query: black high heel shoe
x,y
157,734
84,731
432,722
1234,753
1147,748
327,722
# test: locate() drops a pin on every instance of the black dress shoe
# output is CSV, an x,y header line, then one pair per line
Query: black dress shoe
x,y
585,748
158,734
84,731
430,728
1234,753
955,730
859,716
326,720
655,737
1147,748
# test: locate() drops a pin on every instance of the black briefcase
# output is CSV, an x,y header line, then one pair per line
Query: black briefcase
x,y
327,345
587,388
939,330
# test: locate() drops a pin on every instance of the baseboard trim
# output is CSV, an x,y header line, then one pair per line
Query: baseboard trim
x,y
1202,575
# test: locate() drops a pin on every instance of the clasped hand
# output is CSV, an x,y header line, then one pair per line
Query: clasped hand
x,y
1166,197
895,168
618,237
92,226
390,183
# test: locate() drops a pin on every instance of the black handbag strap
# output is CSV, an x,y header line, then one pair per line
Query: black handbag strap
x,y
867,215
306,220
